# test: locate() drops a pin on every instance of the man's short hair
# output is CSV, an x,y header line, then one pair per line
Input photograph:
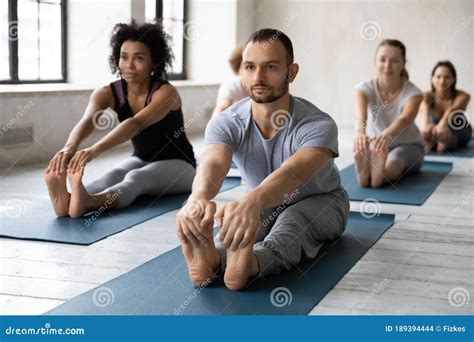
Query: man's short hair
x,y
268,36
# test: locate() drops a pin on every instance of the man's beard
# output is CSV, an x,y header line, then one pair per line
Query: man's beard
x,y
273,96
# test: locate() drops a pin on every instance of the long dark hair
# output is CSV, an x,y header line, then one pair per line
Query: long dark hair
x,y
150,34
451,68
398,44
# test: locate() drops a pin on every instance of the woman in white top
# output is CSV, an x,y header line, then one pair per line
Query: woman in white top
x,y
388,144
231,90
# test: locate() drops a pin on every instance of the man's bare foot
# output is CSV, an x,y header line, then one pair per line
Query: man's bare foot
x,y
377,168
241,265
362,167
58,193
203,260
80,198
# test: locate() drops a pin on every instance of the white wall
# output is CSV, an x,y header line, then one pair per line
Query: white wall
x,y
211,37
334,56
89,26
212,31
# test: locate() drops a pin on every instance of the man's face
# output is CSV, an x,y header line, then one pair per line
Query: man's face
x,y
265,71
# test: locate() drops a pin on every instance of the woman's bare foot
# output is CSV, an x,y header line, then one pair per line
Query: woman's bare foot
x,y
58,193
377,168
203,260
362,167
440,147
80,198
241,265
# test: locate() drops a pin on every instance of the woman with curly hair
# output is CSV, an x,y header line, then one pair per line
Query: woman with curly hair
x,y
149,114
445,125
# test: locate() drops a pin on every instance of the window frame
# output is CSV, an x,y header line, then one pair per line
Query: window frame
x,y
159,15
13,48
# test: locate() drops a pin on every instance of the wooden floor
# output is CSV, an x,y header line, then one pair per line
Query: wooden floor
x,y
412,269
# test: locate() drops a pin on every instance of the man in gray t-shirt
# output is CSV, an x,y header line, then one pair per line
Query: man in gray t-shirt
x,y
284,147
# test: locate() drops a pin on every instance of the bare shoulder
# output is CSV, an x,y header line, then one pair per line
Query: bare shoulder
x,y
103,96
463,94
168,92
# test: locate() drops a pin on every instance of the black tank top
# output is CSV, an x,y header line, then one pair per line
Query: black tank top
x,y
164,139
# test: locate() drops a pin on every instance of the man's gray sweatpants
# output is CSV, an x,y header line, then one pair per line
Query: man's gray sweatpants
x,y
298,232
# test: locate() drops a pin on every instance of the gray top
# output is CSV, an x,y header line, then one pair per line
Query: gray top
x,y
380,114
257,157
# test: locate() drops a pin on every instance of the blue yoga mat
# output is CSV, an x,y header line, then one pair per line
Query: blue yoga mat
x,y
413,189
36,219
466,152
162,286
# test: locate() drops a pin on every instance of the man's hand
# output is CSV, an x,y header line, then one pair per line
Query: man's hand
x,y
194,222
239,222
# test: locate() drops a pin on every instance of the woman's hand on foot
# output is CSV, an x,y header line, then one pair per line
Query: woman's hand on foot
x,y
58,164
380,142
441,132
361,143
81,158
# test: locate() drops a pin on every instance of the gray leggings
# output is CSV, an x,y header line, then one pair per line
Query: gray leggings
x,y
133,177
408,156
298,232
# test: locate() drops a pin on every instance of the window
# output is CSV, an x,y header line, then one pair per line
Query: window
x,y
173,15
33,41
